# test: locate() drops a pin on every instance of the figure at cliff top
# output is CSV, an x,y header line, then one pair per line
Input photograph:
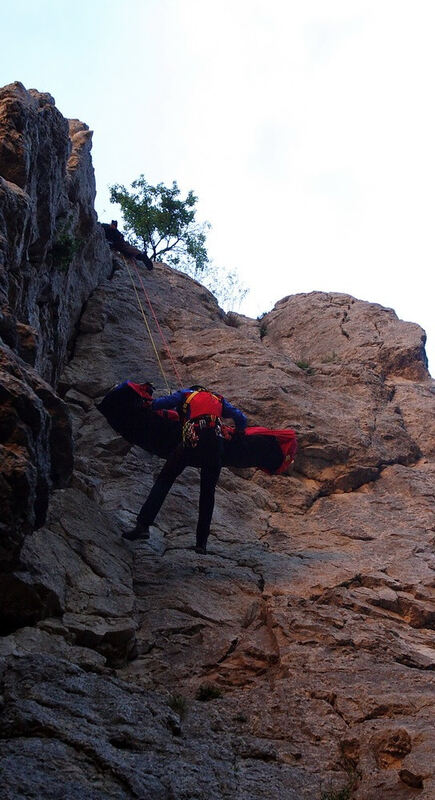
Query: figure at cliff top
x,y
117,242
201,413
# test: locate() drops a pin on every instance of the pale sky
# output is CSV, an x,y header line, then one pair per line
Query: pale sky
x,y
307,129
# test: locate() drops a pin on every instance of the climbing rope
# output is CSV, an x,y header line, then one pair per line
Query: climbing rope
x,y
146,325
162,335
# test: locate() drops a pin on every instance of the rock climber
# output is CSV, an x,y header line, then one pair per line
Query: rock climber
x,y
117,242
201,415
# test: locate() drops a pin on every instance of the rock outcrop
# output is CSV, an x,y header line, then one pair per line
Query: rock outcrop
x,y
52,255
295,660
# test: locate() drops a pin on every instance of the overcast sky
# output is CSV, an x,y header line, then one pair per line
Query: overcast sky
x,y
307,129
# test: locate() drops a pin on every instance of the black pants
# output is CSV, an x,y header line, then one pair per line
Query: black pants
x,y
207,455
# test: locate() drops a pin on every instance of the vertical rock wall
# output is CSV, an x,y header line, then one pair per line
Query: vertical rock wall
x,y
52,255
296,659
52,252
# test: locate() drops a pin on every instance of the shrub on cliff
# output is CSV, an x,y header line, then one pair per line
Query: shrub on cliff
x,y
165,226
158,220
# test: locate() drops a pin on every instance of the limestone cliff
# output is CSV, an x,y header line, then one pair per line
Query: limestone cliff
x,y
52,254
312,616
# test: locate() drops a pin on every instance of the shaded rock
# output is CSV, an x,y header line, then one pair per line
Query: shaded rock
x,y
314,600
36,448
52,251
76,568
111,740
391,747
411,779
37,641
52,254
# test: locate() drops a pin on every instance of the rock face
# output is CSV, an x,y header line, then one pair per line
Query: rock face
x,y
295,659
52,254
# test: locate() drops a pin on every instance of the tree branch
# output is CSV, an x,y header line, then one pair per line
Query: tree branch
x,y
169,247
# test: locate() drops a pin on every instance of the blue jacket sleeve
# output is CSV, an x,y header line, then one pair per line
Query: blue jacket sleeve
x,y
238,416
169,401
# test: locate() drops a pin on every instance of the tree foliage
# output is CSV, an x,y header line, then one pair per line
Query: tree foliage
x,y
157,219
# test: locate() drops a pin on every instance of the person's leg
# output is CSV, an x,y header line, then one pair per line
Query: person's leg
x,y
209,479
173,467
211,462
129,250
147,261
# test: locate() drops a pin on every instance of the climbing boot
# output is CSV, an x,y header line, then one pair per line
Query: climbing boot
x,y
201,550
138,532
147,261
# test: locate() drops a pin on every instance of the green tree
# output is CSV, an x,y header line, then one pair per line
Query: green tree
x,y
157,219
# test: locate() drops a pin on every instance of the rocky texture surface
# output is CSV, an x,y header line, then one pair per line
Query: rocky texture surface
x,y
52,254
295,659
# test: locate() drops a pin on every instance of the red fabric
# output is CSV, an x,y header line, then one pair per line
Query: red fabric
x,y
169,413
204,403
142,389
283,435
286,439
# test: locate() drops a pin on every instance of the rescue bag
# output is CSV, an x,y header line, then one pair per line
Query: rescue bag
x,y
127,408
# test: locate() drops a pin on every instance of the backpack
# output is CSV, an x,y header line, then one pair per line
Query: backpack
x,y
201,409
202,404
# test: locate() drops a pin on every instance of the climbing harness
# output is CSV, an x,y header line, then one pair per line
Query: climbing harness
x,y
205,411
193,427
162,336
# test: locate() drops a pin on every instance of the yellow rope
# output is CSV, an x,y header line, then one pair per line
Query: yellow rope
x,y
146,324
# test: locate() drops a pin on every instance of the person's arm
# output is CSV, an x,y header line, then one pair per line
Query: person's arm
x,y
238,416
169,401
